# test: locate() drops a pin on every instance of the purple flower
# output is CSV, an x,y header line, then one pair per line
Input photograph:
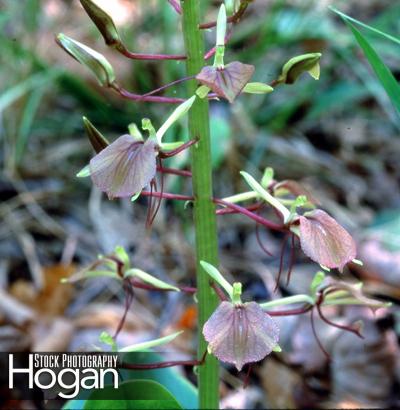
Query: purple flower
x,y
226,82
325,241
124,167
240,333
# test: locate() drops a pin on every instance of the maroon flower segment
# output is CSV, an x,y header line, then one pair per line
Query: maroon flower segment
x,y
325,241
226,82
124,167
240,334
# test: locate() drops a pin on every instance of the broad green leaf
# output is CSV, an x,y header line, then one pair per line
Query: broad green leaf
x,y
184,392
132,395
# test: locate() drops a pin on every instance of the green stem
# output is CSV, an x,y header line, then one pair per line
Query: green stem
x,y
204,209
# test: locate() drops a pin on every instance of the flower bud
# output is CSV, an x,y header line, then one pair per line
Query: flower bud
x,y
296,66
88,57
103,22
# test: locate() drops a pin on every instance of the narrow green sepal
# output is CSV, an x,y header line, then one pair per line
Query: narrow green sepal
x,y
107,339
138,347
179,112
84,172
217,276
136,196
257,88
221,26
202,91
135,132
277,349
122,255
149,279
96,138
317,280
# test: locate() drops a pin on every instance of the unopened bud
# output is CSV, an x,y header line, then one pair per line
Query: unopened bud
x,y
88,57
103,22
296,66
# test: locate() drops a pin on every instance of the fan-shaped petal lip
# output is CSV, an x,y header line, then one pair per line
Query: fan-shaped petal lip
x,y
124,167
240,334
325,241
227,82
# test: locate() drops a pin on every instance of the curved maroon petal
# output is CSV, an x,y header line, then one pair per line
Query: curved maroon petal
x,y
124,167
240,334
227,82
325,241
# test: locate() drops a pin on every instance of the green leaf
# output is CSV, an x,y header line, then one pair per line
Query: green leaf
x,y
383,73
360,23
184,392
132,395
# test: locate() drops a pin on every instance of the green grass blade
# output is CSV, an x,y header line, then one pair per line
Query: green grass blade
x,y
366,26
383,73
27,120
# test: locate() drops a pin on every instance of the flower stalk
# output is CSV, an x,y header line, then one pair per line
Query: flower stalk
x,y
204,208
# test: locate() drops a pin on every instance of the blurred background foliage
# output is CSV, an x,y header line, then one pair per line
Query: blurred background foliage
x,y
339,136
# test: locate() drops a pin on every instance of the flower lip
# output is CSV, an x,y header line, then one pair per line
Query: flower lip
x,y
240,333
124,167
